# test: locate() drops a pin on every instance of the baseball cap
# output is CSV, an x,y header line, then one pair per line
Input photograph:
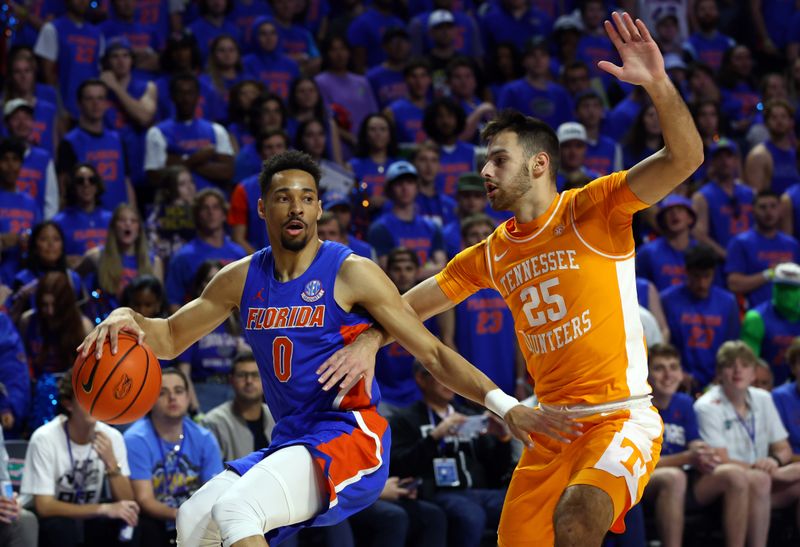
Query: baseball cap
x,y
399,169
568,22
787,273
470,182
673,61
571,131
674,200
723,144
440,17
536,43
15,104
117,42
333,198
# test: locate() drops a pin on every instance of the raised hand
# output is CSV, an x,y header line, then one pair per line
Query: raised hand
x,y
642,62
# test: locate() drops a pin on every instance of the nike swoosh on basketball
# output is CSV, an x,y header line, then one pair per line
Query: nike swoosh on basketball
x,y
500,256
87,386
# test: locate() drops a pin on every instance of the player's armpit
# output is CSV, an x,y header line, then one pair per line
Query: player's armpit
x,y
203,314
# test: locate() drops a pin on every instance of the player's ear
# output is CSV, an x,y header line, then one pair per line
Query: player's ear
x,y
539,164
261,212
319,209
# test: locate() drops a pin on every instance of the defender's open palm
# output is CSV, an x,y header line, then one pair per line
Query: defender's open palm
x,y
642,62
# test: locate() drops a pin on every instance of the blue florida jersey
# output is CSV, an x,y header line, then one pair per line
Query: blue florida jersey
x,y
680,424
293,327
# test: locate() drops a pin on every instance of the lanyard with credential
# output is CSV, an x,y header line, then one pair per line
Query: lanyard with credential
x,y
77,485
170,470
433,424
749,427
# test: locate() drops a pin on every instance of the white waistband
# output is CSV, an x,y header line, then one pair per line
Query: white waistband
x,y
581,411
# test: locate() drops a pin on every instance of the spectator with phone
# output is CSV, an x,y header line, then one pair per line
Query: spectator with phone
x,y
463,465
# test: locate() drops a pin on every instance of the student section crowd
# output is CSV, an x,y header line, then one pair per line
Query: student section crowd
x,y
132,139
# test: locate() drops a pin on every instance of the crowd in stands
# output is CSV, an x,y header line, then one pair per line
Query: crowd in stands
x,y
132,137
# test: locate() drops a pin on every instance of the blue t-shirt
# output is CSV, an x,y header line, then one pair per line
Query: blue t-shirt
x,y
728,215
750,253
601,156
367,30
360,248
787,401
212,354
206,32
78,58
680,424
18,212
187,138
133,135
82,230
794,196
184,265
784,167
779,333
106,152
699,327
709,49
370,177
394,372
419,235
619,119
14,373
275,70
453,162
552,105
661,263
500,26
294,40
387,85
440,209
407,121
175,474
33,175
209,104
45,117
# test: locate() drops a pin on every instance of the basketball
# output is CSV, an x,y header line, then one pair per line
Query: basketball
x,y
121,388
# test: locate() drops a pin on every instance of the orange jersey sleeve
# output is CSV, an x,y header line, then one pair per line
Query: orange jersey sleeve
x,y
237,214
465,274
604,211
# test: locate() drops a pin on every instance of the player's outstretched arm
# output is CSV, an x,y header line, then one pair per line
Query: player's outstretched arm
x,y
642,64
170,337
361,282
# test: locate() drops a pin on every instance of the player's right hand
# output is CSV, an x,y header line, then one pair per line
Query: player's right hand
x,y
126,510
523,420
118,320
351,363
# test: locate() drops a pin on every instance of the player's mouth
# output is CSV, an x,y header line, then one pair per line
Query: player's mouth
x,y
491,189
294,227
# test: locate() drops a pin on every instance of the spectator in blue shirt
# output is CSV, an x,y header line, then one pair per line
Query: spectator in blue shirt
x,y
386,79
662,260
170,458
514,21
603,154
14,378
701,316
212,23
366,32
708,44
295,40
787,397
753,254
407,112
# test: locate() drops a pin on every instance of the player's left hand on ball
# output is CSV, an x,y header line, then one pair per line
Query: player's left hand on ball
x,y
523,421
121,319
348,365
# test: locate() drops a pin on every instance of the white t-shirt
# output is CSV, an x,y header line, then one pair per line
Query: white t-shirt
x,y
49,471
155,155
720,426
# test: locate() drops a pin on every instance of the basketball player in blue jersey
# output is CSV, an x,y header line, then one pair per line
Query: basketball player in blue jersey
x,y
300,300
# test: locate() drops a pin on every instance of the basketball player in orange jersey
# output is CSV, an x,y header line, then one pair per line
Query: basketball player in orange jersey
x,y
565,267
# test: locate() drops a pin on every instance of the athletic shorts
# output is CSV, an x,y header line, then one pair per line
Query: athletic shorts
x,y
352,450
616,453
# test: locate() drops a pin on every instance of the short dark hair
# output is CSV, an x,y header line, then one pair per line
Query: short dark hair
x,y
474,220
242,356
201,196
14,146
89,83
432,111
767,193
533,135
413,64
401,254
291,159
182,77
700,257
263,136
662,350
177,372
141,283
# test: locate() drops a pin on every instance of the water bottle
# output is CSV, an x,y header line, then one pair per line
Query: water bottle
x,y
126,533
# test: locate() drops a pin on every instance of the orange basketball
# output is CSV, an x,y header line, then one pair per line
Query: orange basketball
x,y
121,388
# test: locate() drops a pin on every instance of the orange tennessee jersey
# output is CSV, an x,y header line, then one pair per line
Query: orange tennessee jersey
x,y
568,278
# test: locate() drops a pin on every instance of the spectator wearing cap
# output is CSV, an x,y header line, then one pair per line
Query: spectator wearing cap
x,y
18,211
366,31
752,255
341,207
770,327
145,43
295,40
513,21
567,31
444,121
594,45
386,79
92,142
662,261
431,203
132,103
677,72
21,84
214,21
267,62
535,94
773,163
70,48
603,154
707,45
37,177
723,205
470,200
467,34
667,33
572,173
701,316
787,396
402,227
329,229
407,113
202,146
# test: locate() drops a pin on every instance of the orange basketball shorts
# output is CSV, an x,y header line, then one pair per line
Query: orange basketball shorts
x,y
616,453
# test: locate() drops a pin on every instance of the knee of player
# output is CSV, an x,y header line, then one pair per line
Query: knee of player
x,y
582,510
675,480
229,510
733,477
760,482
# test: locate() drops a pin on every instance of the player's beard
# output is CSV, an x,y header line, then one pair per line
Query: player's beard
x,y
294,245
519,184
